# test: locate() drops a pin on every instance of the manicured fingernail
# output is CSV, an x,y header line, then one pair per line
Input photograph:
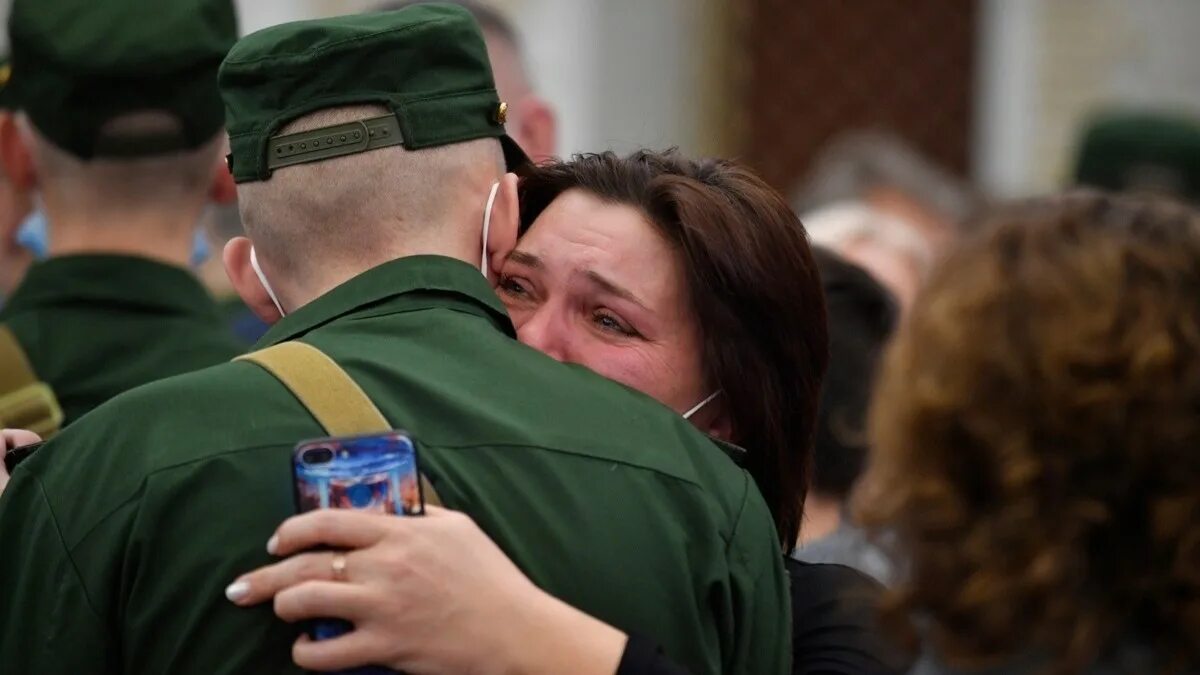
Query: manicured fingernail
x,y
273,544
237,590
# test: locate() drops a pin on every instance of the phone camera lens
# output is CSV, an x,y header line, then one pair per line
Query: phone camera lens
x,y
317,456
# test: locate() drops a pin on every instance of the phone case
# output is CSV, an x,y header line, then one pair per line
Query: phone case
x,y
377,472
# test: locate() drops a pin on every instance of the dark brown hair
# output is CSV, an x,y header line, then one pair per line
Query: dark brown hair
x,y
755,293
1036,438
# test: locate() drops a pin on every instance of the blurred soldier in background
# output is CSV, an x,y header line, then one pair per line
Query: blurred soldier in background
x,y
15,204
531,120
120,136
1144,152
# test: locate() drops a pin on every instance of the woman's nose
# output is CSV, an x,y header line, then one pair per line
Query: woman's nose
x,y
540,331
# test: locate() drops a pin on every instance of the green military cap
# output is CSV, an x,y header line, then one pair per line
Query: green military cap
x,y
1142,151
427,64
81,63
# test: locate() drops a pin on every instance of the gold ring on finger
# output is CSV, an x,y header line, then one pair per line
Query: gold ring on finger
x,y
338,564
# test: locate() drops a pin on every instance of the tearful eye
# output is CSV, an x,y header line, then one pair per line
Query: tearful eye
x,y
611,324
512,287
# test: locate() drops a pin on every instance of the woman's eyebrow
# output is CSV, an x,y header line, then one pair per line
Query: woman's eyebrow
x,y
611,288
526,259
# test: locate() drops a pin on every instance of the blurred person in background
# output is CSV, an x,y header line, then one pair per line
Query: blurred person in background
x,y
641,269
882,171
15,204
862,316
530,119
370,252
120,135
1141,152
888,248
219,224
1034,445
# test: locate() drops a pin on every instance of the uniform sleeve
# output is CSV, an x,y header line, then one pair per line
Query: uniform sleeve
x,y
47,622
760,594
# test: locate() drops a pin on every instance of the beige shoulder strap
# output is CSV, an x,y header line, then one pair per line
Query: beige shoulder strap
x,y
328,392
25,401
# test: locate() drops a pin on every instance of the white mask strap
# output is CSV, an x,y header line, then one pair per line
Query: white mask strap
x,y
696,408
262,278
487,225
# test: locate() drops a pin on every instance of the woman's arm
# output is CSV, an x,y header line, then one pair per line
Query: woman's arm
x,y
431,594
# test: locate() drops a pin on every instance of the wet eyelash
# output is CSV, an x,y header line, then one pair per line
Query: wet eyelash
x,y
506,284
618,325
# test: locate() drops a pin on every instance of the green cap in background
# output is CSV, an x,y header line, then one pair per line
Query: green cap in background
x,y
428,64
80,63
1142,152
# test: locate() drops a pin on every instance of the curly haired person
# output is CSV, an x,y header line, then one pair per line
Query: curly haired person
x,y
1036,443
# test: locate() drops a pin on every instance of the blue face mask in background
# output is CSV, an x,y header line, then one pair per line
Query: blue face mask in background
x,y
33,236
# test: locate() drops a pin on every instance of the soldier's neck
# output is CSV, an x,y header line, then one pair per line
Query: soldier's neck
x,y
162,237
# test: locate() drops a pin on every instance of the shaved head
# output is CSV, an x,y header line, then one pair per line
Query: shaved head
x,y
176,180
360,210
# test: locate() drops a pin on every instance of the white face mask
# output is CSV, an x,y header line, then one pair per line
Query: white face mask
x,y
696,408
487,224
262,279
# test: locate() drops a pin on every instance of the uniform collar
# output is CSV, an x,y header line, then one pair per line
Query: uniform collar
x,y
111,280
412,282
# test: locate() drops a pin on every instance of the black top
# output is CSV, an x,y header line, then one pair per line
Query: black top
x,y
834,631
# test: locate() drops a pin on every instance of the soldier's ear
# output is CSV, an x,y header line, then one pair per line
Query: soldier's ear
x,y
506,216
236,257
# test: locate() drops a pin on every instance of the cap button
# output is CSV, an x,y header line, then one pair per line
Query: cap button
x,y
501,115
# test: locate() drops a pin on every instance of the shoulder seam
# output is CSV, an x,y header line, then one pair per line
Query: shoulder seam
x,y
66,549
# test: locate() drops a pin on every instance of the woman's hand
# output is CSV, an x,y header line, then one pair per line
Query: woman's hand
x,y
9,439
427,594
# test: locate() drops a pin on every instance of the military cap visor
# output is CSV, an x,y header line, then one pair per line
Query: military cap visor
x,y
78,64
427,64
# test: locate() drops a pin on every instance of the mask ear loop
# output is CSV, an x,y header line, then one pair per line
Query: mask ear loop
x,y
262,279
487,225
701,404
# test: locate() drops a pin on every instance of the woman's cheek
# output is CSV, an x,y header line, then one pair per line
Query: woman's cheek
x,y
637,367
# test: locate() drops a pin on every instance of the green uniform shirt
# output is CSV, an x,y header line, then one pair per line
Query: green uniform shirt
x,y
94,326
121,534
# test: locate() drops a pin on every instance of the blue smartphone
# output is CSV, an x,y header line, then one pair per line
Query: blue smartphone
x,y
377,472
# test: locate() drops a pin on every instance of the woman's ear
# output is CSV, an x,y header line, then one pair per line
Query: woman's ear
x,y
506,217
236,257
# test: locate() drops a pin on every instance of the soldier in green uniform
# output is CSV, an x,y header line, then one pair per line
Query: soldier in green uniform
x,y
365,191
120,133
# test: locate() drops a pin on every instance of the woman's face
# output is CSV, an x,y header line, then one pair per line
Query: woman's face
x,y
593,283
